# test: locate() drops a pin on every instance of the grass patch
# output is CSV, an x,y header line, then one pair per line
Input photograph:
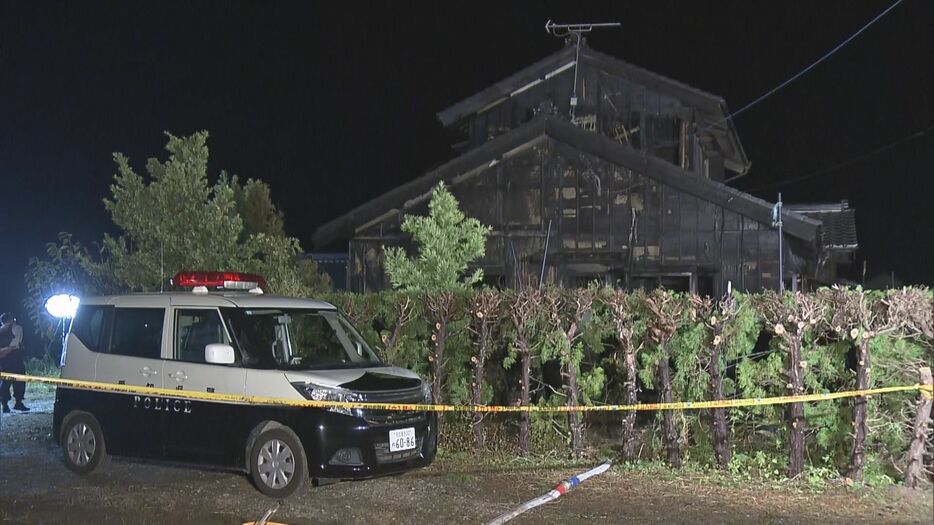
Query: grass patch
x,y
44,367
460,478
490,463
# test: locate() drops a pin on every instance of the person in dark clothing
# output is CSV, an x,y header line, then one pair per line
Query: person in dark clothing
x,y
11,361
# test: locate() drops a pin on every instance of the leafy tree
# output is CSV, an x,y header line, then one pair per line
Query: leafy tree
x,y
730,332
264,230
664,312
254,205
170,220
570,311
441,306
528,327
67,267
793,319
630,332
447,242
314,281
175,219
276,259
485,312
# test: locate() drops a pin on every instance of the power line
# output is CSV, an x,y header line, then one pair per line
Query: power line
x,y
854,160
805,70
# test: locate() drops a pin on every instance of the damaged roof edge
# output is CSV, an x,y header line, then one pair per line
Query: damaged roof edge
x,y
540,70
552,65
742,167
396,197
668,85
587,142
504,88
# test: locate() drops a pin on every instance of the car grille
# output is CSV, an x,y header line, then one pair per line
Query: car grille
x,y
383,455
382,418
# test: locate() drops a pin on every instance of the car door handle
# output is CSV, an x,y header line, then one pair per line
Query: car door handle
x,y
179,376
146,371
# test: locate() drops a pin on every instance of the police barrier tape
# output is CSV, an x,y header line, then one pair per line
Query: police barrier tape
x,y
926,391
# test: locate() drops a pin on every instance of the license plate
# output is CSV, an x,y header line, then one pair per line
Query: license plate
x,y
402,439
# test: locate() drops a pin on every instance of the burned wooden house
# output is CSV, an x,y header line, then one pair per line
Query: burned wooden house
x,y
588,167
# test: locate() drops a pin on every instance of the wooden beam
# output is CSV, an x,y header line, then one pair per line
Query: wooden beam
x,y
511,85
397,197
671,175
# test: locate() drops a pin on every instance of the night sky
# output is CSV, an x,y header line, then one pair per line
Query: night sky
x,y
334,103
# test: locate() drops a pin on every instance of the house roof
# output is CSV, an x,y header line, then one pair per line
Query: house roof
x,y
838,223
712,109
563,133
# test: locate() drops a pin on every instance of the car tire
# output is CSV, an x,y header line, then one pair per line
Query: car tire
x,y
278,467
83,443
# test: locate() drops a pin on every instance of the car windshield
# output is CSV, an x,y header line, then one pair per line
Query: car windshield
x,y
294,339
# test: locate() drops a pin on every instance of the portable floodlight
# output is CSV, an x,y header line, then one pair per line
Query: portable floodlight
x,y
64,306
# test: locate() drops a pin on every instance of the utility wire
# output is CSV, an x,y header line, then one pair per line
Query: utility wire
x,y
805,70
854,160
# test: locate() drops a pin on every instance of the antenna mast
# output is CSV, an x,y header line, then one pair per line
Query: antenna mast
x,y
564,30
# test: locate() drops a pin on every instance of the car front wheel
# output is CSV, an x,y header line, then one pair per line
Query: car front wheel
x,y
277,463
83,443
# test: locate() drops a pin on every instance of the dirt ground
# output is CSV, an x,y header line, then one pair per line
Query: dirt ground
x,y
35,487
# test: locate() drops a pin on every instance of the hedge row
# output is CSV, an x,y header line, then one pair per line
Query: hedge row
x,y
594,345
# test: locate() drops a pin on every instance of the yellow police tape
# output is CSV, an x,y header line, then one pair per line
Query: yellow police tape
x,y
926,390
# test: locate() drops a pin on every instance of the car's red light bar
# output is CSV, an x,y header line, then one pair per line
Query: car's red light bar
x,y
227,280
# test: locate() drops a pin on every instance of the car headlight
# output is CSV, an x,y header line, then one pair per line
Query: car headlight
x,y
321,393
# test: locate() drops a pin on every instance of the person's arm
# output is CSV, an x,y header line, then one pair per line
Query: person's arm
x,y
15,343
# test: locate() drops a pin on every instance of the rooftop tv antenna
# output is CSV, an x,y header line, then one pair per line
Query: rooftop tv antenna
x,y
566,30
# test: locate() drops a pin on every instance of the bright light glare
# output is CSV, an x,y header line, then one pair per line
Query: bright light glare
x,y
62,305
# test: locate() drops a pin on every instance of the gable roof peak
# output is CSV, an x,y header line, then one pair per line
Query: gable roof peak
x,y
711,110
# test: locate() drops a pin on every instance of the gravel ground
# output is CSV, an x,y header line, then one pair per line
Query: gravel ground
x,y
35,487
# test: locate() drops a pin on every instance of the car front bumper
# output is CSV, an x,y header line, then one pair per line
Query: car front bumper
x,y
351,447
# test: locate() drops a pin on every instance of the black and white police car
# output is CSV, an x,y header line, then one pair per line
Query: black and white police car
x,y
226,337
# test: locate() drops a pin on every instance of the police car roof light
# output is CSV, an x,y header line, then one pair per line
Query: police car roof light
x,y
227,280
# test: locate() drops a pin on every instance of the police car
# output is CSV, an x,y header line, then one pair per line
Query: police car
x,y
225,336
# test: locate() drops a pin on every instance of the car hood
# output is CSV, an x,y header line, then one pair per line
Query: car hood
x,y
359,379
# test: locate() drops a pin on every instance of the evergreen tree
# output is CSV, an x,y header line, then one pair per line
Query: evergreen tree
x,y
176,220
254,204
170,220
447,243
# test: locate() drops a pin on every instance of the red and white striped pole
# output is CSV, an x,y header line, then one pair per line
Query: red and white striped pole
x,y
552,495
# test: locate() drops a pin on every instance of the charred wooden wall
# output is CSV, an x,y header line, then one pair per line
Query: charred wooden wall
x,y
631,113
606,223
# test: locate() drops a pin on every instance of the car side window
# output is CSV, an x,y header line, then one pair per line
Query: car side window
x,y
137,332
88,326
194,330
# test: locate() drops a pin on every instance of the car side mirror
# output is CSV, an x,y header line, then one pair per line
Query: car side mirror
x,y
218,354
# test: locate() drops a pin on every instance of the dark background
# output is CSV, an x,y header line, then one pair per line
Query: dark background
x,y
333,104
